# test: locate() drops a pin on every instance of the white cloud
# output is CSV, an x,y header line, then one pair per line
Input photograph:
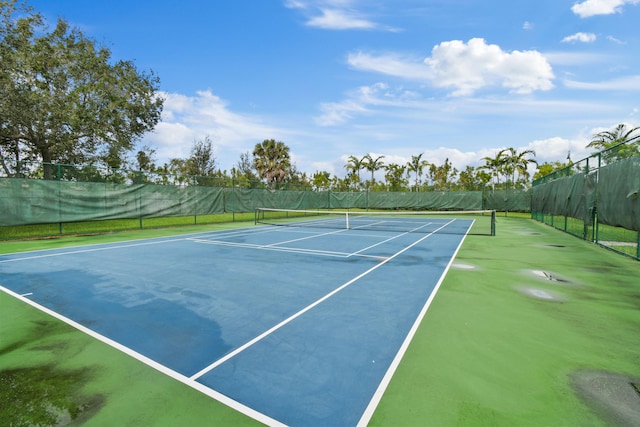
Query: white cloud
x,y
389,64
590,8
556,149
577,58
361,101
615,40
628,83
527,26
335,19
189,118
334,113
580,37
467,67
334,15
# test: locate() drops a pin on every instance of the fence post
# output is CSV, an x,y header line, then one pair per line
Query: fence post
x,y
224,200
195,200
59,178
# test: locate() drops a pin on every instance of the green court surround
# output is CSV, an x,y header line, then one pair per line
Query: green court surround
x,y
486,354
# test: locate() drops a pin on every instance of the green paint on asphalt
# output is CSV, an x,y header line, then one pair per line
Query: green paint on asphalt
x,y
487,352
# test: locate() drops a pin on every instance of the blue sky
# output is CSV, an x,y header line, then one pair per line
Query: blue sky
x,y
456,79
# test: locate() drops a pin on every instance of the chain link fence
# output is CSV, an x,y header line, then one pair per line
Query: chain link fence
x,y
595,199
56,199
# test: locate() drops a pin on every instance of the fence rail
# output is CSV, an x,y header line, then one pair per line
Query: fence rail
x,y
595,199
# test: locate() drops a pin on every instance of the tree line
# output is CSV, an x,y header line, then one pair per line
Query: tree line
x,y
270,164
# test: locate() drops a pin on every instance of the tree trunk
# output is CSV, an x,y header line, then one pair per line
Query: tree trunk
x,y
46,162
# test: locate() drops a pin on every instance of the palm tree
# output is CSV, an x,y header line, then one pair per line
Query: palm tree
x,y
417,165
520,162
619,143
271,160
495,166
516,162
354,164
372,165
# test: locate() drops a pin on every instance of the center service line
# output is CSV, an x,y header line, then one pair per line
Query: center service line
x,y
309,307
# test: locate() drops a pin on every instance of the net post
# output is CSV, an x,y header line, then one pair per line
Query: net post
x,y
493,223
347,220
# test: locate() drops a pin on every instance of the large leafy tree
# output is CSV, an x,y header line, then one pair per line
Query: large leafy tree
x,y
272,161
202,161
244,171
321,180
64,99
472,179
395,177
547,168
443,176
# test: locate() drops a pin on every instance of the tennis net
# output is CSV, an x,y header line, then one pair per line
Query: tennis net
x,y
479,222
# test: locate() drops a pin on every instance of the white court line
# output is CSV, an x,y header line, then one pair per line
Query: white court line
x,y
271,248
377,396
328,233
391,238
81,251
126,244
276,247
310,236
152,363
307,308
285,249
368,224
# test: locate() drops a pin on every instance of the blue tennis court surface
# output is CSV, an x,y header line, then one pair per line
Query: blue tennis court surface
x,y
295,326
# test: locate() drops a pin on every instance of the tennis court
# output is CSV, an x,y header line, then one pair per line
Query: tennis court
x,y
291,325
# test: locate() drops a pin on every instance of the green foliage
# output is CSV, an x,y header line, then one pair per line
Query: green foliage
x,y
442,175
510,164
244,171
272,161
395,177
202,162
64,99
372,165
548,168
354,166
472,179
417,165
321,180
620,143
